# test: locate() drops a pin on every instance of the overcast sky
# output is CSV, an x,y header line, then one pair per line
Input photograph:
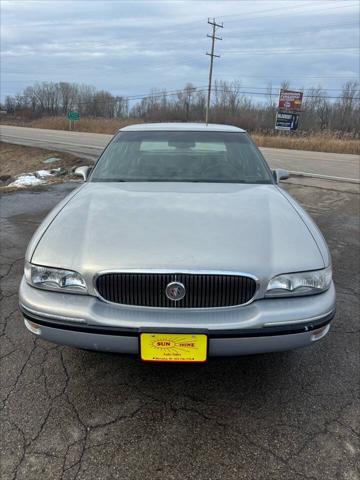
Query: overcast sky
x,y
130,47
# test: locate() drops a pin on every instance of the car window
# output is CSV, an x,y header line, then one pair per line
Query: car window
x,y
182,156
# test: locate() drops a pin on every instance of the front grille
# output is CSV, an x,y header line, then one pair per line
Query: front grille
x,y
202,290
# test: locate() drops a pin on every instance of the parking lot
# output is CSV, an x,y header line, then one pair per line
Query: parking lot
x,y
69,414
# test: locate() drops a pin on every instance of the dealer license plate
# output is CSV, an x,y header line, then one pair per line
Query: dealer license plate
x,y
174,347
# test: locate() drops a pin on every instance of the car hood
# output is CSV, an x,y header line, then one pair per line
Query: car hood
x,y
179,226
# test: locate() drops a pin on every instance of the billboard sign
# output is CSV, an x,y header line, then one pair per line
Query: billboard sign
x,y
290,100
287,121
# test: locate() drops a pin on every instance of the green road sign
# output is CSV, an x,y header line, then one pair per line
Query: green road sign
x,y
73,116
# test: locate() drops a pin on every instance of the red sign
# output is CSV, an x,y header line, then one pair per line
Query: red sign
x,y
290,100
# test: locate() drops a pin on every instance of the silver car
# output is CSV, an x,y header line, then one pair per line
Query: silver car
x,y
180,245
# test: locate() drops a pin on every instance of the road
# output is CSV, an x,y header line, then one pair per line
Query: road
x,y
336,165
69,414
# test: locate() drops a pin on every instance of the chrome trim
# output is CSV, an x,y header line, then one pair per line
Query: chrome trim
x,y
41,315
176,272
172,284
304,320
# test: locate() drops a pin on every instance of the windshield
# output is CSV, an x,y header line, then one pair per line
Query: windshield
x,y
182,156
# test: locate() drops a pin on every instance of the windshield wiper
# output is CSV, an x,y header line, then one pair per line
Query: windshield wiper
x,y
115,180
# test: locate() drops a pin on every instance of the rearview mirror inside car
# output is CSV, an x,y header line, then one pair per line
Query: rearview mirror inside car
x,y
181,144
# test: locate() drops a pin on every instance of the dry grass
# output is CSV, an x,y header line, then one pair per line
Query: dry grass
x,y
315,142
17,159
86,124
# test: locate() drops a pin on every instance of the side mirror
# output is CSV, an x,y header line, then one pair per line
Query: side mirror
x,y
83,172
280,174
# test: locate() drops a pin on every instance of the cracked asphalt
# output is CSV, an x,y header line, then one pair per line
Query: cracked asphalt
x,y
71,414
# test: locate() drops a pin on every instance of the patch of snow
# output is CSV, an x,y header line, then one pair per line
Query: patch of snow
x,y
43,173
51,160
26,180
35,178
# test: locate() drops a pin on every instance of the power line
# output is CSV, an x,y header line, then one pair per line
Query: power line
x,y
266,94
285,51
160,94
253,30
216,89
296,74
277,87
212,55
204,88
294,50
254,14
282,11
281,32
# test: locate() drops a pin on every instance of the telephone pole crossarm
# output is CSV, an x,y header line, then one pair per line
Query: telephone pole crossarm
x,y
216,38
212,55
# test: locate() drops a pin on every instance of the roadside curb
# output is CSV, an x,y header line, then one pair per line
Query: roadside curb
x,y
324,177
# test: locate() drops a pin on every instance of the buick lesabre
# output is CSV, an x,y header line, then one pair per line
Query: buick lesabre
x,y
179,245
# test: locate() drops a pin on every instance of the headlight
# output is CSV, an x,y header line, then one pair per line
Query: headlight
x,y
54,279
303,283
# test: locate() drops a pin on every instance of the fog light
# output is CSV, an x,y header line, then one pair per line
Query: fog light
x,y
33,327
320,333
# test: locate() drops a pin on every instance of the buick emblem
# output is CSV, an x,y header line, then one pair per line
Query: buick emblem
x,y
175,291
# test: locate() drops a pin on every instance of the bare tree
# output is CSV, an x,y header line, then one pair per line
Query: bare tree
x,y
229,105
185,98
348,106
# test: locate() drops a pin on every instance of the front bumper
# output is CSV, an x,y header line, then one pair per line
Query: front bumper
x,y
262,326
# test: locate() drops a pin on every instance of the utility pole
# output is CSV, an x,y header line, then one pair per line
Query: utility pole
x,y
211,55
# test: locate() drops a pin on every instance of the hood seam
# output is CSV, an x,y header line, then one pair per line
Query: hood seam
x,y
304,222
72,195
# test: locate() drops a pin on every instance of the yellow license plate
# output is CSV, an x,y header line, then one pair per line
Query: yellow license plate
x,y
175,347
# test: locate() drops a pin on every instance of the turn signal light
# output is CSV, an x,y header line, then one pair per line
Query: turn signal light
x,y
33,327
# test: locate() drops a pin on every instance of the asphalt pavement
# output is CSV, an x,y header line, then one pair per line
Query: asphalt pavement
x,y
73,414
91,145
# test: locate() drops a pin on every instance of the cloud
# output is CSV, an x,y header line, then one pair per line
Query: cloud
x,y
129,47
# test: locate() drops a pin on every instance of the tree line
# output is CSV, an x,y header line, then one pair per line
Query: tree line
x,y
321,111
50,98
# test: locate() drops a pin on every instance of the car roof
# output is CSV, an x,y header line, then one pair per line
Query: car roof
x,y
178,126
